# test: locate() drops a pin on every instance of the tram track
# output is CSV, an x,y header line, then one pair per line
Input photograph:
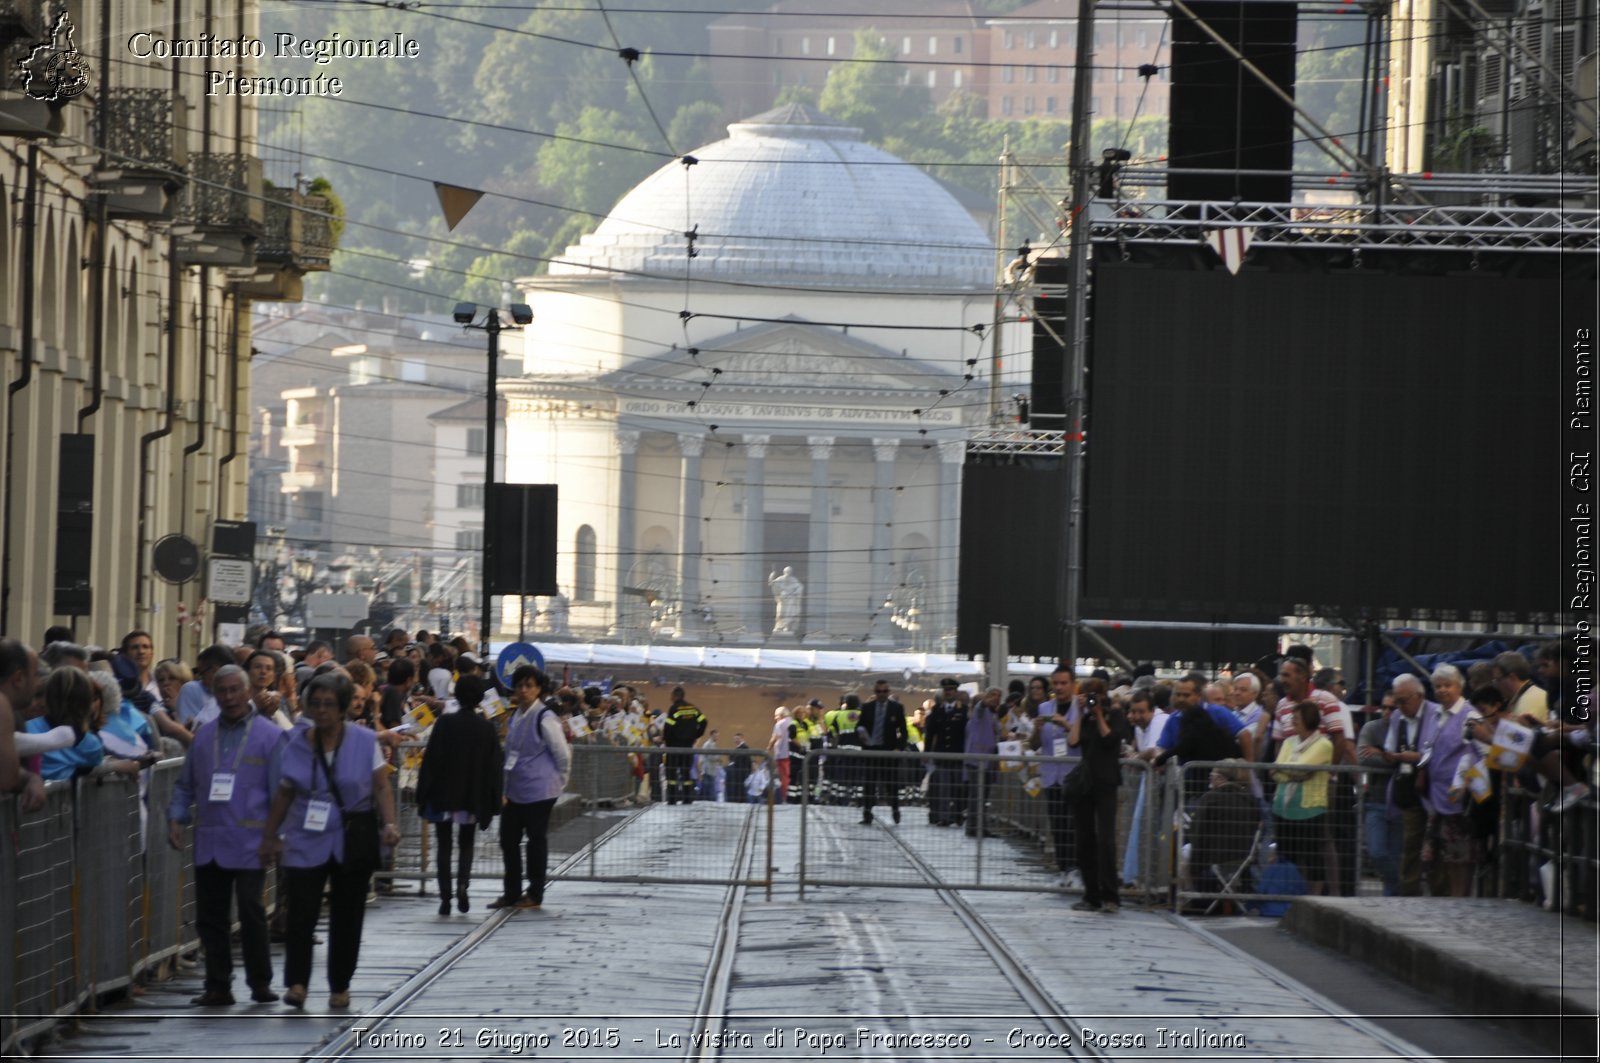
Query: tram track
x,y
346,1042
711,1010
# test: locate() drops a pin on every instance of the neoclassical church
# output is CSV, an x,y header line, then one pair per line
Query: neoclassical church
x,y
761,442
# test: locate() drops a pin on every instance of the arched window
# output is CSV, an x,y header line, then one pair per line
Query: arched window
x,y
583,566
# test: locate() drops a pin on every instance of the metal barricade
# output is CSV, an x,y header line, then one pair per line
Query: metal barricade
x,y
101,884
1003,830
1233,821
167,897
665,845
1546,858
45,982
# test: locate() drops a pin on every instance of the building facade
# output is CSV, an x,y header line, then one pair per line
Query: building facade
x,y
1035,48
798,43
369,457
135,233
762,443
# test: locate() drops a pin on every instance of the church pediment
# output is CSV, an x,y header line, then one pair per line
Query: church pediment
x,y
784,355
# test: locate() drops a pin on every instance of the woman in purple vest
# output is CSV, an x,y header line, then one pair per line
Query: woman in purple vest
x,y
332,773
1451,851
538,762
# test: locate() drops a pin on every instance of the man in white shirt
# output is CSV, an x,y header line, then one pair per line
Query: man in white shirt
x,y
1147,723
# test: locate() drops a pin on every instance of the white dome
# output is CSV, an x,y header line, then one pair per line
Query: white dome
x,y
791,196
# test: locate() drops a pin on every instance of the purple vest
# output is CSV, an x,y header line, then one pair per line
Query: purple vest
x,y
229,833
982,731
534,776
1449,740
1429,717
352,771
1052,774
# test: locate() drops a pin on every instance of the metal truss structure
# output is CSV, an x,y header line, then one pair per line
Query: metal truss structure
x,y
1407,227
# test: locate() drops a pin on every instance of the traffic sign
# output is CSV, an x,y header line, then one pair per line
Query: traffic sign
x,y
515,656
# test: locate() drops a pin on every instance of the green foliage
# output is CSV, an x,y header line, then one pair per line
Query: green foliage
x,y
872,95
321,186
802,94
1328,86
591,176
488,274
695,125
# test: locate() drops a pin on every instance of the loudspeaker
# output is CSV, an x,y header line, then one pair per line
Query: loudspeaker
x,y
520,531
1048,408
233,538
74,525
1223,117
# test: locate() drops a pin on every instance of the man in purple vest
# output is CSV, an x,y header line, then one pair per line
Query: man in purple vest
x,y
1411,731
225,790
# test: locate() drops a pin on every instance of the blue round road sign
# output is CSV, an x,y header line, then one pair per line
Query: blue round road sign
x,y
515,656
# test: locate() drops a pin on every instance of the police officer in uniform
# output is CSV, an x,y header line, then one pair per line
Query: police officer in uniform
x,y
946,732
881,726
680,731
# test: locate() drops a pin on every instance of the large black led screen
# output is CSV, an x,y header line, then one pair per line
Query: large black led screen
x,y
1355,440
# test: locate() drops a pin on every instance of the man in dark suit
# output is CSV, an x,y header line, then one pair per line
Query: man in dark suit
x,y
882,726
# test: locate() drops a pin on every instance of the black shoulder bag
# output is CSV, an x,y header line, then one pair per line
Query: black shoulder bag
x,y
361,850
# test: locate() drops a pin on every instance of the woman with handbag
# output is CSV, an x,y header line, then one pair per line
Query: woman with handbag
x,y
1300,803
334,788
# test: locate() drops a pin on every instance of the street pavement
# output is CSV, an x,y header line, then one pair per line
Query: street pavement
x,y
618,971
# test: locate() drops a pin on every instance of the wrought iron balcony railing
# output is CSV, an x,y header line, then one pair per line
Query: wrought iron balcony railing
x,y
224,194
295,234
143,129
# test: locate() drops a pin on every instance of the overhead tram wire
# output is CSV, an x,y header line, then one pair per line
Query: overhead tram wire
x,y
484,250
921,164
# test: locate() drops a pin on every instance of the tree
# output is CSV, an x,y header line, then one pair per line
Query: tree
x,y
592,173
871,92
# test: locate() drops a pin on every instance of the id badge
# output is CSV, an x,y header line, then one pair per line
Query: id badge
x,y
317,813
222,786
1059,748
511,760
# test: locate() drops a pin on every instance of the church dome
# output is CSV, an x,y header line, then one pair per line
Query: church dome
x,y
791,196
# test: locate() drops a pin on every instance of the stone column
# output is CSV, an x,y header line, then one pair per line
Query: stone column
x,y
627,450
952,453
815,619
755,591
883,450
689,540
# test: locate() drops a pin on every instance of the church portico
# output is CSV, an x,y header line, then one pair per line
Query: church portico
x,y
765,467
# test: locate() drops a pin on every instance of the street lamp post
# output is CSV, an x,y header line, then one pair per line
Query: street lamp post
x,y
466,316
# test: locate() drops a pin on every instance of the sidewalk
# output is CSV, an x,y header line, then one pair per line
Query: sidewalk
x,y
1494,957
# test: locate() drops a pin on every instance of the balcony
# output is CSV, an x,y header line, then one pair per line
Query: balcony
x,y
143,150
21,20
223,214
296,239
298,435
297,480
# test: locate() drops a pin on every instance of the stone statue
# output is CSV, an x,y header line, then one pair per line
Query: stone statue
x,y
555,614
786,589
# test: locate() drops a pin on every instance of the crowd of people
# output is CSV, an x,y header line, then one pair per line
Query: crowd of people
x,y
289,759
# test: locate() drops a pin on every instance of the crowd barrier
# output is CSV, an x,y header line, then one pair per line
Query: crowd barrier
x,y
90,897
603,775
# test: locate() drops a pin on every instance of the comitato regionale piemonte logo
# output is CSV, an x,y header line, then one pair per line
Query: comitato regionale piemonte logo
x,y
55,70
